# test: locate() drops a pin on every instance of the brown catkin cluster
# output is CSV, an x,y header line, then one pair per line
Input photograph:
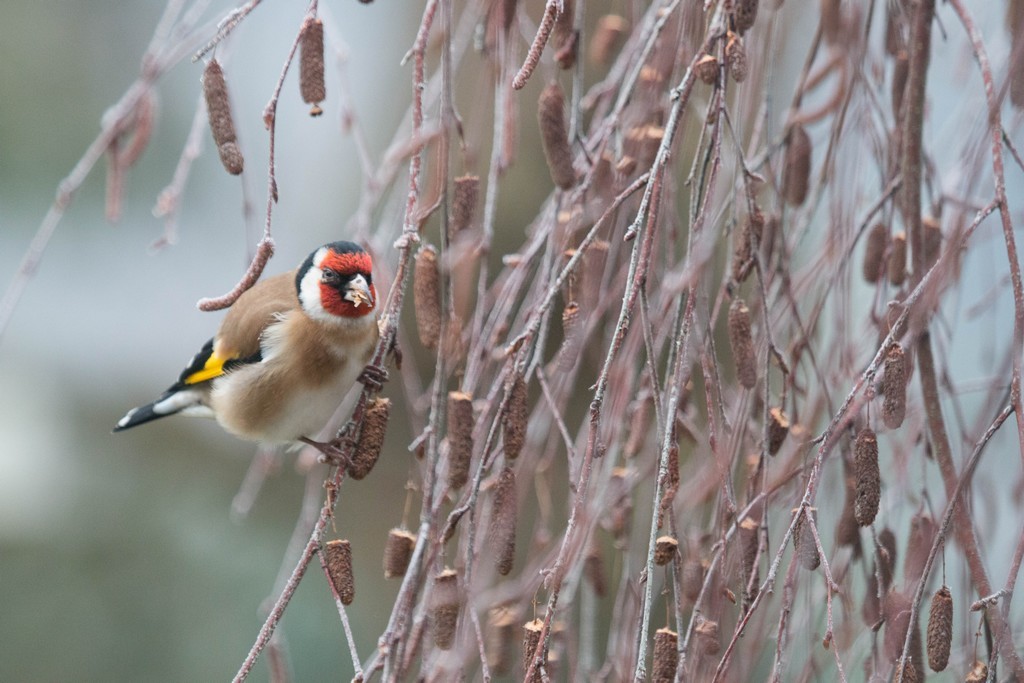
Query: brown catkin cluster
x,y
564,36
886,557
897,260
311,65
778,429
744,14
593,568
736,56
806,548
567,355
741,340
940,629
744,244
868,476
706,633
531,639
594,260
897,623
222,124
444,608
664,550
513,421
796,172
426,291
371,438
339,567
501,624
554,134
465,193
460,438
894,387
666,656
874,252
693,578
707,69
607,35
919,544
847,529
503,521
398,552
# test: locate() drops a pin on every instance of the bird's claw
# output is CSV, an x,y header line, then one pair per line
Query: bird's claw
x,y
373,377
330,453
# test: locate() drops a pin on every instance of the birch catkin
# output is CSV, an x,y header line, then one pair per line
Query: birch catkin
x,y
513,421
796,172
736,55
531,639
460,438
778,430
894,387
371,438
311,65
609,31
503,521
222,125
444,608
897,260
664,550
666,656
339,568
398,552
464,198
940,629
426,290
865,467
554,134
741,341
874,253
744,14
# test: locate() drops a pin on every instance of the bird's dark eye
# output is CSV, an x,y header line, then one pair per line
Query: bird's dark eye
x,y
329,276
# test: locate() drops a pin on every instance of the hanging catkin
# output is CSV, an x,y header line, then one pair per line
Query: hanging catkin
x,y
460,438
339,568
311,65
503,521
222,125
554,134
513,421
940,629
426,291
894,387
371,438
869,480
742,342
796,172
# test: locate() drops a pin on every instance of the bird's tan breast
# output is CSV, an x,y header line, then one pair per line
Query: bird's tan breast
x,y
306,372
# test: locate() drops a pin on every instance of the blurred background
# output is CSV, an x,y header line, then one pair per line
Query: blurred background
x,y
120,558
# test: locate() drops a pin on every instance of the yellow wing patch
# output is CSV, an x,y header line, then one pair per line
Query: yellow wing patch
x,y
214,367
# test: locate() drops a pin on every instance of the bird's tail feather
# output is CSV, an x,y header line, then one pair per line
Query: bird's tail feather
x,y
174,400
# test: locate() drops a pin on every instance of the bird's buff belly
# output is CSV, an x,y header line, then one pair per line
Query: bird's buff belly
x,y
250,403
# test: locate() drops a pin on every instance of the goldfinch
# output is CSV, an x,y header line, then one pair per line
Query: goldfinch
x,y
285,355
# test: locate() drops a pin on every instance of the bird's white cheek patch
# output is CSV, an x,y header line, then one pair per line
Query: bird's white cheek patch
x,y
309,294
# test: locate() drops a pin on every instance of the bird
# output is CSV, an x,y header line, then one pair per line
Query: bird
x,y
285,355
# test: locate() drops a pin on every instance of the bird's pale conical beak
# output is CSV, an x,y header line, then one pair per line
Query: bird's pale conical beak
x,y
358,292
